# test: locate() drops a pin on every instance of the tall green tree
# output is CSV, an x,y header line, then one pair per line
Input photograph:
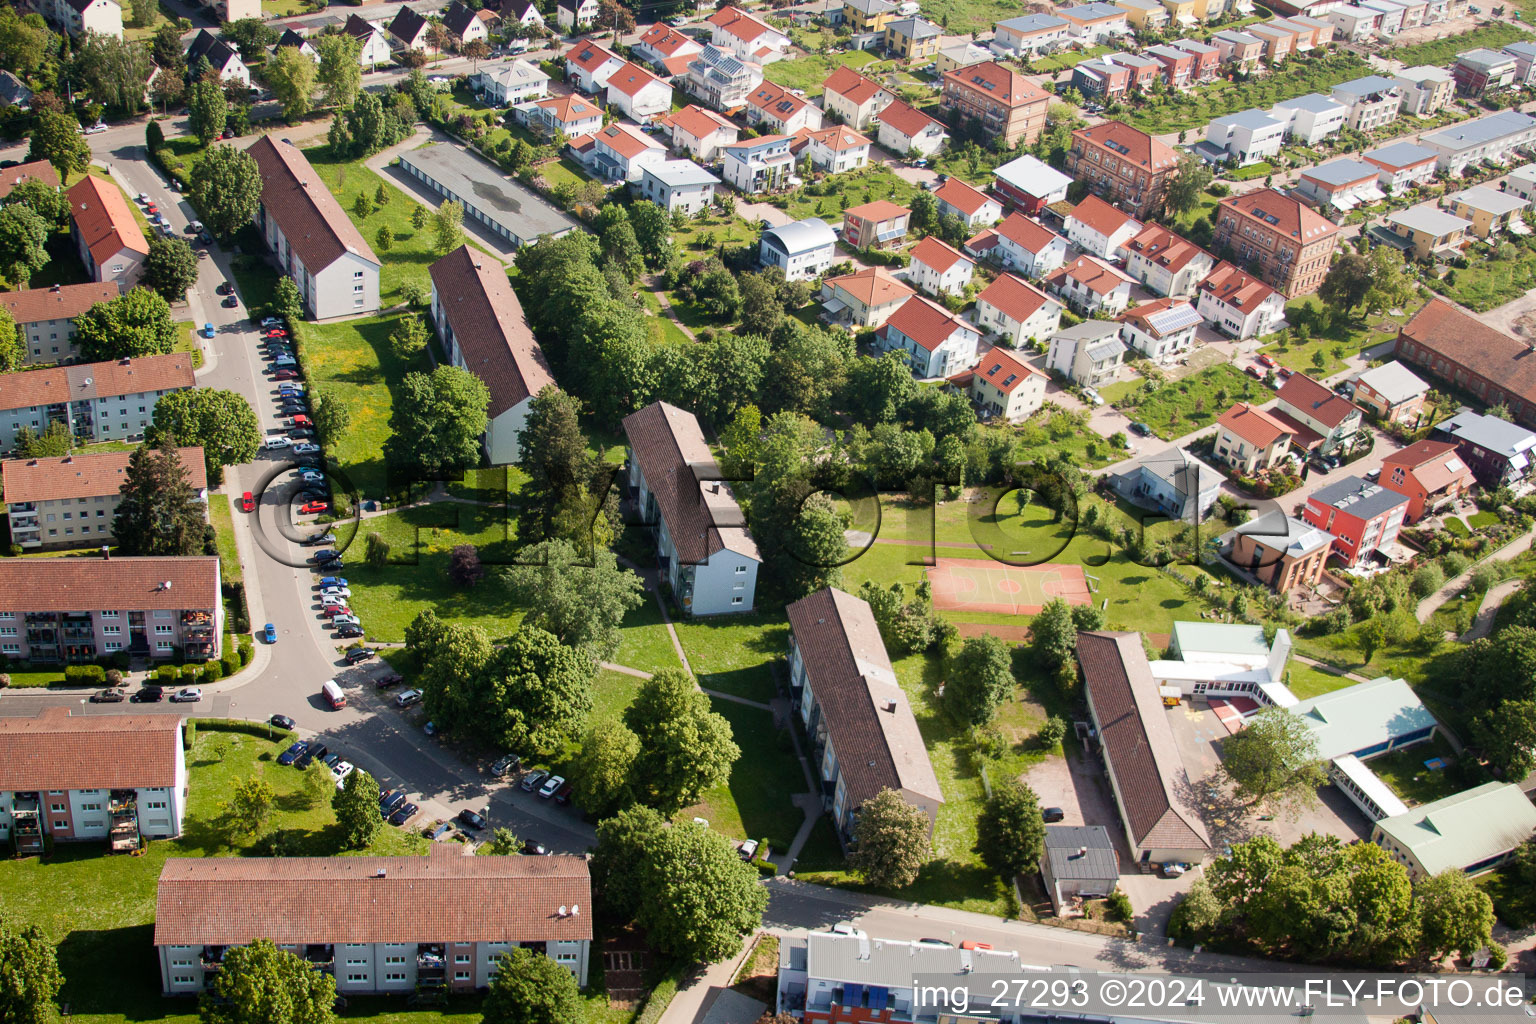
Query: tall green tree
x,y
13,350
608,752
531,988
552,451
978,680
226,186
221,422
1348,281
448,227
249,807
1186,184
539,691
1274,758
25,42
339,72
251,36
878,389
287,303
261,984
818,547
54,442
135,324
357,809
581,605
56,138
170,268
113,70
23,241
1053,635
453,659
437,422
1010,834
892,841
332,416
165,45
291,76
653,232
1455,916
685,747
159,513
30,978
207,109
43,199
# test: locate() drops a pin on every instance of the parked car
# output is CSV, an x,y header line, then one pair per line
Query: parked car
x,y
389,800
147,695
225,288
551,784
504,764
563,794
187,695
310,508
335,590
1141,429
281,721
1050,814
1265,361
275,331
404,814
332,599
345,618
341,770
968,944
269,633
322,538
332,581
247,502
317,751
208,330
1092,396
361,654
349,632
324,555
331,611
271,321
533,849
293,753
331,760
109,696
286,375
309,476
275,443
471,819
306,449
533,780
1254,372
748,849
388,679
407,698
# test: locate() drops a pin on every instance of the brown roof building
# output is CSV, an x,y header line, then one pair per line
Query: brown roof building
x,y
32,170
483,330
73,395
71,501
1457,347
45,317
382,924
1288,244
862,727
1003,100
1126,166
1145,771
112,245
1426,473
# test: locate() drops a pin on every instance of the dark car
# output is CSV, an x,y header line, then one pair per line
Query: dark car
x,y
390,802
324,555
148,695
226,288
322,752
1052,814
331,760
388,679
305,760
506,764
360,654
563,794
533,780
281,721
293,753
470,819
230,301
335,565
534,849
1141,429
404,814
347,631
107,697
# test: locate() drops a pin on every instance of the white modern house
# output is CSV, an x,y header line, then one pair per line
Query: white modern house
x,y
1341,185
1025,245
746,36
1165,263
638,94
1373,101
1098,228
934,341
853,99
904,129
1089,354
700,133
1030,183
1246,137
1402,165
1311,118
763,164
510,84
1091,285
588,66
836,149
802,249
677,186
938,269
1494,138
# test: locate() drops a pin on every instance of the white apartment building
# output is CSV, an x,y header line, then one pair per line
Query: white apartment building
x,y
1311,118
1247,137
802,249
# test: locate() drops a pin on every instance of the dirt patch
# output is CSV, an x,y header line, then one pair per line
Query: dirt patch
x,y
1008,634
759,975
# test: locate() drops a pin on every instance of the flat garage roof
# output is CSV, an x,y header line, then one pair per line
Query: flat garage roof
x,y
508,208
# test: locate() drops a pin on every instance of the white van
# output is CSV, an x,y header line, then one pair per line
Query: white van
x,y
332,693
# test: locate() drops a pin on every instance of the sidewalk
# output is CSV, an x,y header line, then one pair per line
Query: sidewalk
x,y
1432,603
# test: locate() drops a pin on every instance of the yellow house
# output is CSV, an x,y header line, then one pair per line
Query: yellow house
x,y
868,15
1182,13
1144,14
912,38
1489,210
1431,232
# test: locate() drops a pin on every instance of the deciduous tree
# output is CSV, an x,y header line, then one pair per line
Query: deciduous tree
x,y
43,199
29,965
531,988
56,138
979,679
159,513
249,807
1010,835
261,984
291,75
12,346
892,840
113,70
1186,183
357,809
226,186
339,72
437,423
222,422
136,323
608,752
170,268
1274,758
582,605
23,241
685,747
539,691
448,227
207,110
1455,916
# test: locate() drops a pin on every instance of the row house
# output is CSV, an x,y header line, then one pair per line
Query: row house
x,y
938,269
1243,50
1089,354
1289,244
1306,35
774,108
90,778
45,318
903,129
1029,184
1498,452
1392,15
94,401
378,925
1166,264
852,98
876,225
74,610
864,16
1278,41
722,81
1178,66
1354,24
746,36
703,548
1525,62
1124,165
1430,233
1249,439
1239,304
865,298
975,208
1322,31
1003,386
1429,474
1144,71
1426,89
1492,139
1322,420
1144,15
1402,165
1361,516
1247,137
1310,119
1391,391
1089,286
1095,23
1482,70
71,501
1373,101
700,133
666,49
1163,330
106,233
1522,182
933,341
763,164
1021,244
1490,211
1016,311
1098,228
1459,348
1207,59
1101,80
1341,185
1004,101
1032,34
964,54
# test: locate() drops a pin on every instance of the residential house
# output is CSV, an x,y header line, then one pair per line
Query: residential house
x,y
1181,13
938,269
1480,71
1290,245
1029,184
1163,330
1426,89
1373,101
780,111
721,80
463,23
621,151
1474,831
1427,473
1354,24
1321,419
105,232
521,12
1460,348
1392,15
372,44
1166,264
763,164
568,115
964,54
1022,244
853,99
71,501
1494,139
1080,862
94,401
1178,66
1172,482
45,318
1402,165
154,607
1008,104
1207,58
507,85
678,186
705,551
481,325
1282,552
1522,182
865,298
1525,62
802,249
1095,23
1141,756
875,225
1491,212
410,30
1017,311
588,66
1362,517
1249,439
32,170
974,208
1322,31
1392,392
834,150
1306,34
933,341
904,130
1090,285
1144,15
1247,137
1102,80
1239,304
1341,185
1311,118
1028,36
1278,41
1242,49
1089,354
667,50
744,35
911,39
864,735
575,16
1499,452
383,925
1430,232
638,94
311,237
863,16
1098,228
700,133
1004,386
78,18
1144,70
222,58
1126,166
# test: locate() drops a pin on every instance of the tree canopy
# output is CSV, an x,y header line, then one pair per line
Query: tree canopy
x,y
979,678
29,967
685,747
159,513
56,138
1010,833
437,423
1274,758
892,841
261,984
357,809
582,605
226,186
170,268
222,422
136,323
531,988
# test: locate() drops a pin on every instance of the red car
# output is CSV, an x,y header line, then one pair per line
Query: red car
x,y
300,420
1264,360
1254,372
276,332
286,375
330,611
247,503
313,507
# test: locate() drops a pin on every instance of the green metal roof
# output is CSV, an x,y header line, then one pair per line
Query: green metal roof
x,y
1468,828
1363,715
1220,638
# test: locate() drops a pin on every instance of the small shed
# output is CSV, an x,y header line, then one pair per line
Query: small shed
x,y
1079,861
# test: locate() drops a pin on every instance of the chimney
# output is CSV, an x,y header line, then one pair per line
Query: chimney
x,y
1082,851
379,873
68,459
166,585
890,706
106,553
55,288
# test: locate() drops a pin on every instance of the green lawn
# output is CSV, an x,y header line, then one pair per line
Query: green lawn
x,y
187,341
1495,35
755,802
220,513
1308,681
1193,110
1404,771
1174,408
852,188
554,172
810,71
1480,520
1205,207
1065,59
612,692
1250,172
962,16
1493,276
644,641
733,653
1345,334
63,266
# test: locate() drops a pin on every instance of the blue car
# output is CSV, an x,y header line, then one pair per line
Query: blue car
x,y
293,753
333,581
207,330
269,633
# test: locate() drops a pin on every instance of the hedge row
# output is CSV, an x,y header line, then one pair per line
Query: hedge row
x,y
660,998
258,729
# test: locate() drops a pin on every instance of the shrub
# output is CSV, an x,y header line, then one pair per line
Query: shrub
x,y
189,733
231,656
84,675
114,677
213,671
189,673
167,674
1454,563
1120,906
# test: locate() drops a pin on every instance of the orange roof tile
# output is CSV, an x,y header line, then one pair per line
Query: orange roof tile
x,y
852,86
931,252
873,287
1015,297
927,323
962,196
1001,368
1100,216
1253,425
104,220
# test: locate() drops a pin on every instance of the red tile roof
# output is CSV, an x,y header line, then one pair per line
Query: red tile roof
x,y
927,323
906,119
852,86
631,78
56,750
589,56
1253,425
84,476
1235,288
570,109
1307,396
626,140
837,138
1099,216
60,302
489,329
776,100
698,122
1463,340
1017,299
931,252
1130,144
737,23
666,40
1029,235
104,221
77,381
445,895
873,287
129,584
1099,278
306,211
1000,367
34,170
1278,212
1002,84
1165,248
1431,464
962,196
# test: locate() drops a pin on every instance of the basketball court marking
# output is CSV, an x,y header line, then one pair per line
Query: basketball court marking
x,y
982,585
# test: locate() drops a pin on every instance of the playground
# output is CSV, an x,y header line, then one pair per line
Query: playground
x,y
982,585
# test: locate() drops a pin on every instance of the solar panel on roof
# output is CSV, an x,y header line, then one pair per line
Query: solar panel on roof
x,y
1175,318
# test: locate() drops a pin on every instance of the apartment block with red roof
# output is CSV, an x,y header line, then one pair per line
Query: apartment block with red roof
x,y
1017,311
1362,517
878,224
866,298
1004,386
79,778
1022,244
72,501
97,401
1167,264
1288,244
1089,285
45,318
1317,413
110,242
975,208
700,133
1098,228
938,269
1004,101
639,94
904,129
1124,165
1249,439
746,36
852,98
1428,474
1457,347
934,341
780,111
1240,304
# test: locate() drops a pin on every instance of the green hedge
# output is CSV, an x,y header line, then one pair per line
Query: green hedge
x,y
259,729
85,675
660,998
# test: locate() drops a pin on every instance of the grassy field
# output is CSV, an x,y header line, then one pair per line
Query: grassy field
x,y
1065,59
853,188
810,71
1345,334
734,654
644,641
1404,771
221,514
1192,110
1307,681
1252,171
1494,36
1494,275
1177,407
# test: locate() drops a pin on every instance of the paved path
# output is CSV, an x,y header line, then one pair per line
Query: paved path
x,y
1486,611
666,307
1432,603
